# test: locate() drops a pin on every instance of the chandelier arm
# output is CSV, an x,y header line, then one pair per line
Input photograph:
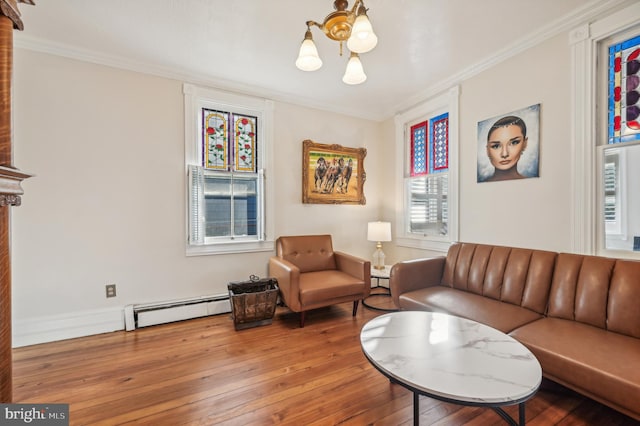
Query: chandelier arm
x,y
310,23
355,6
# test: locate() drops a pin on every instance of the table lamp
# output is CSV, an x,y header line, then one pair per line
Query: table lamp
x,y
379,232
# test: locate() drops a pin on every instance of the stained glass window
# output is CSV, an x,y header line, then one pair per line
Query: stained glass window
x,y
223,149
245,143
215,139
430,146
624,91
419,149
439,143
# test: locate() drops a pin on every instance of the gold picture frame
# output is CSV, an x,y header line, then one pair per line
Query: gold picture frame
x,y
332,174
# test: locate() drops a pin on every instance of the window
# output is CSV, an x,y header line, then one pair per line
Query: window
x,y
224,206
620,203
428,180
606,117
227,148
427,151
621,75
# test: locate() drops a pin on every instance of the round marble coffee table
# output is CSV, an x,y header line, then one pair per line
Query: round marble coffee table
x,y
452,359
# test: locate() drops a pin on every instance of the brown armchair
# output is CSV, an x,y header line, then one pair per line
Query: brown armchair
x,y
311,275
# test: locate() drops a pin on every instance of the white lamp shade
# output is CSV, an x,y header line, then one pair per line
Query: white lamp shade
x,y
362,38
354,73
308,59
379,231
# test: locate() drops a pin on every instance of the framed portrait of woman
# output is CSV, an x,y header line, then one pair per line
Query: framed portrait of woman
x,y
509,146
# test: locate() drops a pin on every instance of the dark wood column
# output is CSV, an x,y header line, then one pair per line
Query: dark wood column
x,y
10,189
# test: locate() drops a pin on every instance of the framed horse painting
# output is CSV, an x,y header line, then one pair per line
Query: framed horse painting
x,y
332,174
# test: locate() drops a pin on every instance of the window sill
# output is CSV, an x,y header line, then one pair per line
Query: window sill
x,y
230,248
424,244
619,253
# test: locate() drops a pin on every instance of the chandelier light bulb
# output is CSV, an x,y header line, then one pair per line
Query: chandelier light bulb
x,y
362,38
354,73
308,59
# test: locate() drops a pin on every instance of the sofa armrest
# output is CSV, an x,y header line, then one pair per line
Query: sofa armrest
x,y
415,274
288,276
355,266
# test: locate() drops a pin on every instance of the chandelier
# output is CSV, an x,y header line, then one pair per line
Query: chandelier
x,y
352,26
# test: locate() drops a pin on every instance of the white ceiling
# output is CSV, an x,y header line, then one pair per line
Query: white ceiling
x,y
251,45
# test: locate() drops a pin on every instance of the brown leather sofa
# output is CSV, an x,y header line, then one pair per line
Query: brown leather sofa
x,y
579,315
312,275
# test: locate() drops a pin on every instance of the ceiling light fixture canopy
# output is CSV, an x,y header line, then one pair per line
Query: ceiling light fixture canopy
x,y
352,26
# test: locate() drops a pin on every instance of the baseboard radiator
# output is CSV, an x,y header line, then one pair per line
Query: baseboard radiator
x,y
144,315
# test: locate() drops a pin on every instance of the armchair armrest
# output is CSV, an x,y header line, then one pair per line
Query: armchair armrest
x,y
356,267
288,276
415,274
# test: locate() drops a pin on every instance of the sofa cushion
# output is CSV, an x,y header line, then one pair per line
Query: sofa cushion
x,y
623,313
513,275
327,285
597,291
499,315
598,363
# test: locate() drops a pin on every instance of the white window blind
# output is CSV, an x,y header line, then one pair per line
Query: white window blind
x,y
611,189
428,206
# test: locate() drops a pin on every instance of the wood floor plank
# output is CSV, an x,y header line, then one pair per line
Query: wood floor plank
x,y
203,372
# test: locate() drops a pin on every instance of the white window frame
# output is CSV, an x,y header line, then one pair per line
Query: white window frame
x,y
446,102
585,205
196,97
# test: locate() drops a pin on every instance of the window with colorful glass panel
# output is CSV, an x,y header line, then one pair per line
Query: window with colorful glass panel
x,y
624,91
226,190
229,141
428,183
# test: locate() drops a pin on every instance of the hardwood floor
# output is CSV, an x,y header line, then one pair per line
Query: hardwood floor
x,y
203,372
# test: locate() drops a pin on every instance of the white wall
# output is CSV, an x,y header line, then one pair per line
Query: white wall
x,y
347,223
107,204
532,212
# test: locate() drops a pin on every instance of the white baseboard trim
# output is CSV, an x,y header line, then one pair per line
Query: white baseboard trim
x,y
66,326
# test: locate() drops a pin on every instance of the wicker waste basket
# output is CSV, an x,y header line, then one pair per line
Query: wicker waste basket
x,y
253,302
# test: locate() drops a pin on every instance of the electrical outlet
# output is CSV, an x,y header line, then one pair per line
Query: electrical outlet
x,y
111,290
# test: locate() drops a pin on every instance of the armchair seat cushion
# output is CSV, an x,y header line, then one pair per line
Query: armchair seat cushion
x,y
327,285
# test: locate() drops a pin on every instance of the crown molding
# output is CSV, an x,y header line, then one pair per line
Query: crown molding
x,y
581,17
588,12
36,44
